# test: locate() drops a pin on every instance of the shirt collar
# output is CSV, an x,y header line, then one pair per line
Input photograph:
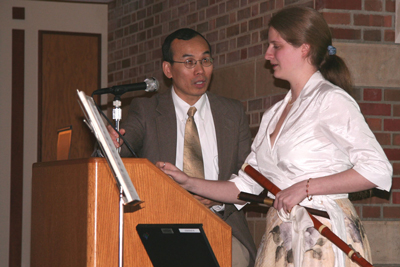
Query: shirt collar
x,y
311,84
181,107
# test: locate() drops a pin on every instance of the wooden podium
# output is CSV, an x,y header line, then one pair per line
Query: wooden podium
x,y
75,214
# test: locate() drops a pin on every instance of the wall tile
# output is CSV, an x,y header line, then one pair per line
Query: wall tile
x,y
391,125
337,18
392,94
346,34
379,235
234,82
373,5
392,154
391,212
372,94
375,109
340,4
385,60
371,212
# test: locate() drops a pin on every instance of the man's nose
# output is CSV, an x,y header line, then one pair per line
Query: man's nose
x,y
199,68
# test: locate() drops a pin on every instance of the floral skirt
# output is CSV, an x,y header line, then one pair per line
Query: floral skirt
x,y
275,248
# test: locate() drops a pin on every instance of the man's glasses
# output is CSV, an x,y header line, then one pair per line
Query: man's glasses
x,y
191,63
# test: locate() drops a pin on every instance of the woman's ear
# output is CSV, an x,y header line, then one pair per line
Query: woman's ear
x,y
166,66
305,50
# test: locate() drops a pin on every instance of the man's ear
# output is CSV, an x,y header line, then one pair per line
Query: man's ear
x,y
166,66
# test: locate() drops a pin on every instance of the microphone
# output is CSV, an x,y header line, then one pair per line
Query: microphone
x,y
149,85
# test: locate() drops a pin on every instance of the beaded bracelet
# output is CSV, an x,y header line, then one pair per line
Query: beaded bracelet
x,y
307,186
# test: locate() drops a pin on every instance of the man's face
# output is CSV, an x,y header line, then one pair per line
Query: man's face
x,y
189,84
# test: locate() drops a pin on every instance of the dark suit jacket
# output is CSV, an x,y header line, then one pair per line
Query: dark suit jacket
x,y
151,130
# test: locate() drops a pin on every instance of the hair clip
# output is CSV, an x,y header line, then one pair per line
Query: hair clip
x,y
331,50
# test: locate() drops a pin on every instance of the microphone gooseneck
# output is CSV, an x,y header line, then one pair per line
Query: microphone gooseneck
x,y
149,85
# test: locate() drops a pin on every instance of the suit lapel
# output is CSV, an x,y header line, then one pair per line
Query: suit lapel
x,y
166,127
223,124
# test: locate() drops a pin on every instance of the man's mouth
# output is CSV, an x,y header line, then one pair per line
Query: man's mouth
x,y
200,83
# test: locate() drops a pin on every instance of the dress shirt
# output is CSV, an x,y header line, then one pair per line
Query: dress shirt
x,y
206,129
205,126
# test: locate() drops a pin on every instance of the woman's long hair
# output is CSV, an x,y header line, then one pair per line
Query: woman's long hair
x,y
302,25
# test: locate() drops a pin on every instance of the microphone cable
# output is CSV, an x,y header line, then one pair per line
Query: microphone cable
x,y
119,134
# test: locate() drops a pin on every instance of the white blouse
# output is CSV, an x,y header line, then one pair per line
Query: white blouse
x,y
323,134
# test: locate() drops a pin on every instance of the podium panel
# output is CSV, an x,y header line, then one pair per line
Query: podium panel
x,y
75,214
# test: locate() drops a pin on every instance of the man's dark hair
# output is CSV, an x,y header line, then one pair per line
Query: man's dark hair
x,y
181,34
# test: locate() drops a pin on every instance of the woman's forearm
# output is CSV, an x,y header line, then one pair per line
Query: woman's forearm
x,y
222,191
345,182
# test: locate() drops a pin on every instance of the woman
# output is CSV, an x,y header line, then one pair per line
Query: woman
x,y
314,144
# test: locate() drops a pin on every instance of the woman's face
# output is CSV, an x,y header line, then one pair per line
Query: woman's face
x,y
286,60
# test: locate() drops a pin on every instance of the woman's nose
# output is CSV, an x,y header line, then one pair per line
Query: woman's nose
x,y
268,54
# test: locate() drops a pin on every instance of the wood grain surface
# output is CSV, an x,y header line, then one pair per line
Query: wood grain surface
x,y
75,207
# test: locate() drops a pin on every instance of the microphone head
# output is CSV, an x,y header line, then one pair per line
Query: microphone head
x,y
152,84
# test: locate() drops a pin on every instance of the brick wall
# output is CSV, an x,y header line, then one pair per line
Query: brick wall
x,y
236,30
381,108
360,20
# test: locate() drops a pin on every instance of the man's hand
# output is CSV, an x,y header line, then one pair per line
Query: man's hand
x,y
206,202
114,135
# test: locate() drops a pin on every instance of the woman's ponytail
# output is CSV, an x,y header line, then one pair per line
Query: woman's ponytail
x,y
335,70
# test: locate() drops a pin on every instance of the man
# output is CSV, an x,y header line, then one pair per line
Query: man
x,y
155,127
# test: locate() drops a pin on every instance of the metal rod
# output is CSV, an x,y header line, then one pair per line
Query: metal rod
x,y
121,229
117,114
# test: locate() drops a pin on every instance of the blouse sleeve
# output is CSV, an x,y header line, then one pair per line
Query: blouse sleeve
x,y
242,181
245,183
344,125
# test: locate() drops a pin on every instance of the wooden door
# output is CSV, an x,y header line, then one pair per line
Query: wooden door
x,y
67,62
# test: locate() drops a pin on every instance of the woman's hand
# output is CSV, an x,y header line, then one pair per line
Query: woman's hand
x,y
206,202
171,170
209,192
291,196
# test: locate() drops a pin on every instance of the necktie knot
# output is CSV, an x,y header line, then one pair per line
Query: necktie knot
x,y
191,111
